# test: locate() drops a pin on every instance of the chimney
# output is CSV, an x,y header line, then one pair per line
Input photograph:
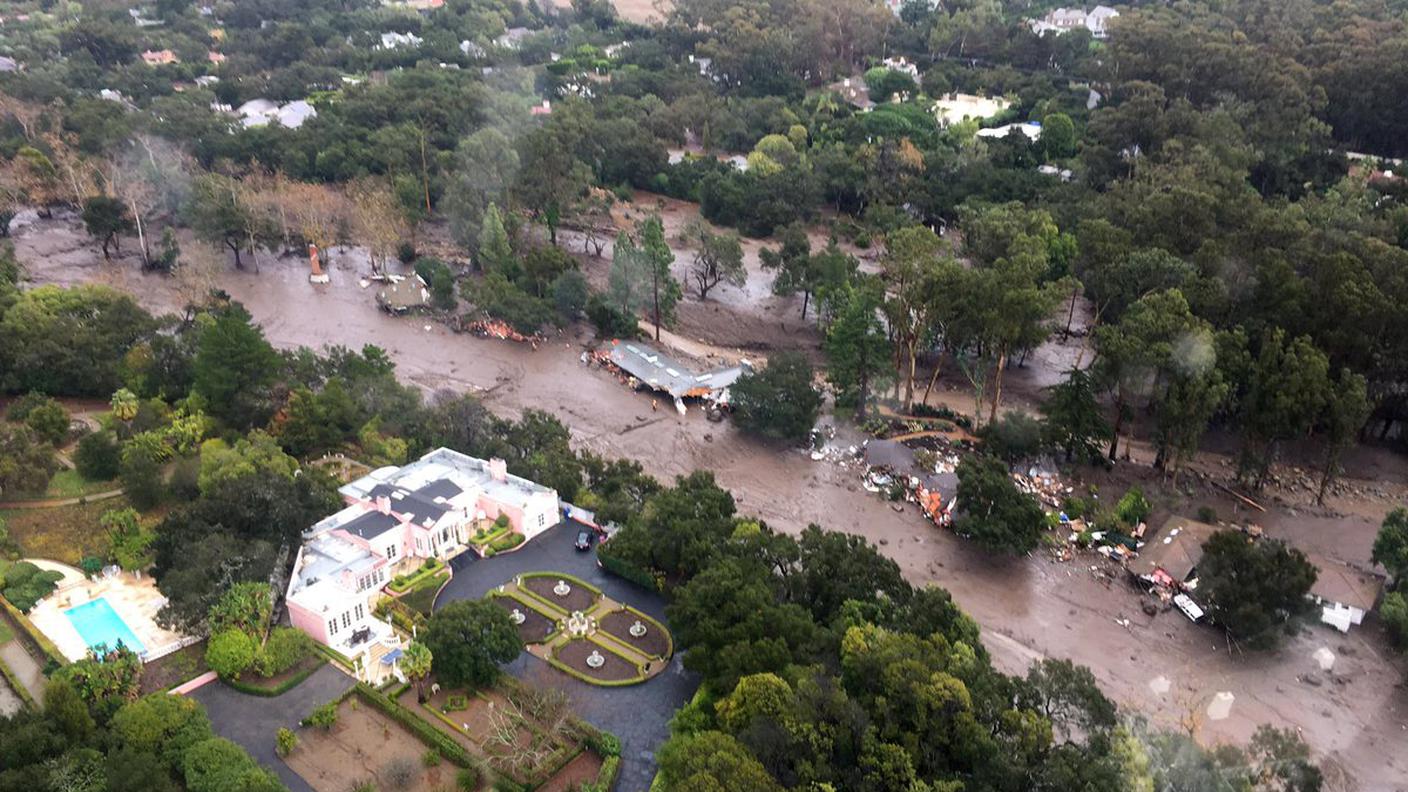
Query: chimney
x,y
383,504
498,469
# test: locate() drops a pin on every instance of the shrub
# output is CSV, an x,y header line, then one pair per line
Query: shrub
x,y
506,542
49,420
399,773
431,758
285,741
284,649
91,565
25,584
1207,514
324,717
1394,612
1133,507
406,252
98,456
467,779
610,322
456,702
501,521
229,652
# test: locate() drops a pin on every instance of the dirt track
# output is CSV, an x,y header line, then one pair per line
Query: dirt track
x,y
1028,607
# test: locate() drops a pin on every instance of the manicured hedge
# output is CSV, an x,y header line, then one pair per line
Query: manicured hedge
x,y
334,655
507,542
624,569
33,634
428,734
14,683
279,689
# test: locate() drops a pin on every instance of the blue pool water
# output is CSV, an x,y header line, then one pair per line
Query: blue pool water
x,y
98,624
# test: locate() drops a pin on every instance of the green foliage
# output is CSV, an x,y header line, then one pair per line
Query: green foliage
x,y
992,511
48,420
499,298
164,725
780,401
1391,545
105,218
141,476
1132,507
24,584
712,760
285,741
105,680
1253,589
857,358
323,716
467,779
257,452
884,83
440,280
69,341
233,367
1014,436
1393,611
98,456
285,648
229,652
469,641
1073,420
1058,136
507,542
609,320
570,295
218,765
127,541
26,463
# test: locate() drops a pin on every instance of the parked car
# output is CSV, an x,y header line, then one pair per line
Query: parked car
x,y
584,540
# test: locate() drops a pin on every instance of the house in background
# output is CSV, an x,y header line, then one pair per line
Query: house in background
x,y
159,57
1064,20
395,519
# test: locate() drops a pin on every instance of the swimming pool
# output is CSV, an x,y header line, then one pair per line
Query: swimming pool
x,y
99,625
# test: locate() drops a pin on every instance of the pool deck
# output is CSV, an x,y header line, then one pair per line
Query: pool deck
x,y
135,599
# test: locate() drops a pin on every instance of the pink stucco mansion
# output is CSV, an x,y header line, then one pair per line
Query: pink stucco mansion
x,y
396,517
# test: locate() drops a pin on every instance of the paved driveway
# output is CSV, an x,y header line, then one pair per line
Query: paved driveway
x,y
639,714
252,721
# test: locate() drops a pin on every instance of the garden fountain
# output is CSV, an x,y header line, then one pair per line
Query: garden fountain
x,y
578,625
517,616
595,660
562,589
637,630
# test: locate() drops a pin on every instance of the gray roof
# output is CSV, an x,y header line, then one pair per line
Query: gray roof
x,y
419,504
662,372
371,525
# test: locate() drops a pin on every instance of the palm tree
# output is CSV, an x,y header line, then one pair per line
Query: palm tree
x,y
415,662
124,405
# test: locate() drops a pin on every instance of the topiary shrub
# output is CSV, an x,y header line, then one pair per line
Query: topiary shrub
x,y
25,584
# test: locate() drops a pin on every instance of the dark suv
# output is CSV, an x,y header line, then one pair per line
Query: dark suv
x,y
584,540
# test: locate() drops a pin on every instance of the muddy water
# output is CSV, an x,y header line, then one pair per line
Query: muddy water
x,y
1028,607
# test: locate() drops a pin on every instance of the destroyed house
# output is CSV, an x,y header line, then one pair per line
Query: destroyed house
x,y
663,373
1171,558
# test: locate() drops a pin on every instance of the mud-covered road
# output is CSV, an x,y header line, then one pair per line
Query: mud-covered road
x,y
1356,719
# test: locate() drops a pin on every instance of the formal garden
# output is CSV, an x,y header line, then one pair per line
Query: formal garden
x,y
506,736
574,627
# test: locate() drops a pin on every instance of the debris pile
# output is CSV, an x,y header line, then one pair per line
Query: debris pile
x,y
496,328
1043,485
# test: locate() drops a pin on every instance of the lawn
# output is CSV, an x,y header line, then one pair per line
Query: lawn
x,y
69,484
6,635
65,533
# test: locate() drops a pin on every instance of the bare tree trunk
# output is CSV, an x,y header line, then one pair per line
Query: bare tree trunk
x,y
938,366
141,237
997,385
